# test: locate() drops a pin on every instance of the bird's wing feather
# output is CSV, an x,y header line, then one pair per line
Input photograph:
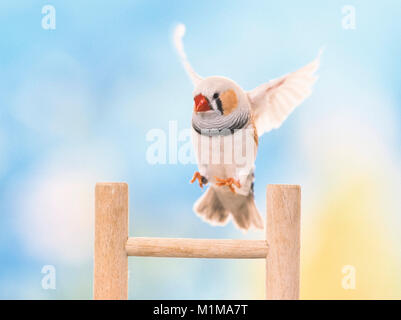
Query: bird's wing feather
x,y
179,33
272,102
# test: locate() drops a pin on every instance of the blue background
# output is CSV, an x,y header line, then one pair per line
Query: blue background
x,y
77,102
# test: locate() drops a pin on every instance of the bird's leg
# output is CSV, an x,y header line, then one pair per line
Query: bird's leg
x,y
229,182
201,179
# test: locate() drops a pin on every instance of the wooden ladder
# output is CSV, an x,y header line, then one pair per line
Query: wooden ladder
x,y
113,246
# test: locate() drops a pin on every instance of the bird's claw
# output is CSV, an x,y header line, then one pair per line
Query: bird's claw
x,y
229,182
201,179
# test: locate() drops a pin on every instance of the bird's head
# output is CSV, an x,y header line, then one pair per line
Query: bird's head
x,y
217,95
219,103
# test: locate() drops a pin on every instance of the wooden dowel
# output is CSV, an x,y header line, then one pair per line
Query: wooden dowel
x,y
196,248
283,237
111,234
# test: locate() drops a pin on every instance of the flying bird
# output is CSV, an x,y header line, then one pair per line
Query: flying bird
x,y
228,120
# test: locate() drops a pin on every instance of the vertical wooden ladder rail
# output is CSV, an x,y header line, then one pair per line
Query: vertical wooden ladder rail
x,y
281,248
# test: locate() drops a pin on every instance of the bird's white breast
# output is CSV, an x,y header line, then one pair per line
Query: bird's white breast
x,y
230,156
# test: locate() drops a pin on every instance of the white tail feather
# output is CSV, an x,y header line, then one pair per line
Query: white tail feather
x,y
216,206
179,33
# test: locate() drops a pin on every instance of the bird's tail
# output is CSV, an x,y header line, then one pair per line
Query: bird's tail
x,y
210,208
216,206
247,215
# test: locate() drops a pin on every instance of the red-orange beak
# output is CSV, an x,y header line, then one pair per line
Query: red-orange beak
x,y
201,104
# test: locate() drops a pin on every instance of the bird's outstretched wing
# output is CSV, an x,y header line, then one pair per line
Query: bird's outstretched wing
x,y
272,102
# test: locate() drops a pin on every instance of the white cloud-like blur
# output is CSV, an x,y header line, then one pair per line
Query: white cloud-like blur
x,y
56,202
56,220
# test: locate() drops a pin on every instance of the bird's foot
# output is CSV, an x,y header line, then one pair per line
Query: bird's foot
x,y
229,182
201,179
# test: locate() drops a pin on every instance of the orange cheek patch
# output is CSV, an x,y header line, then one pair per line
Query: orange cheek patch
x,y
229,101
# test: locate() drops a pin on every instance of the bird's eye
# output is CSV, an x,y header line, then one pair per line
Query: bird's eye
x,y
215,96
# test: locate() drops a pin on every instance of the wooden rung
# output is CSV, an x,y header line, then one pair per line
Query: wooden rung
x,y
196,248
